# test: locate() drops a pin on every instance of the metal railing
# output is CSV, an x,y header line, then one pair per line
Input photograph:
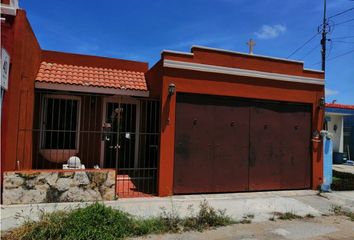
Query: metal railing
x,y
101,131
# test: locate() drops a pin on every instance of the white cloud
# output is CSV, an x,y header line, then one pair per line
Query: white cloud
x,y
269,32
331,92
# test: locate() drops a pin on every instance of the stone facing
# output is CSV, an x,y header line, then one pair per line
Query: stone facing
x,y
23,187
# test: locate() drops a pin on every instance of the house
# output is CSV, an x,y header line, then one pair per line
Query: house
x,y
339,120
205,121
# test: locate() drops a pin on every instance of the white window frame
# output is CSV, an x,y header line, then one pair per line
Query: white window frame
x,y
44,112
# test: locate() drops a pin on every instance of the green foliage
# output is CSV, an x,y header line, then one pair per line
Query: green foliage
x,y
287,216
206,217
309,216
342,181
338,210
93,222
99,222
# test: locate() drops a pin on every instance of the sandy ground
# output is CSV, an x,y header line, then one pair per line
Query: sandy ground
x,y
324,227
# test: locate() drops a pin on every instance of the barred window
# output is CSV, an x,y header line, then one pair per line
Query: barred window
x,y
60,122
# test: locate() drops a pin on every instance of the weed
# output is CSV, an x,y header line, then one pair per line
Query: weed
x,y
287,216
246,219
309,216
206,217
100,222
338,210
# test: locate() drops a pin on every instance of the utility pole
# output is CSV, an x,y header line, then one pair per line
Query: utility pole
x,y
324,37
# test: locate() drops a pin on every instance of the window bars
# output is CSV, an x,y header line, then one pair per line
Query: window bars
x,y
119,132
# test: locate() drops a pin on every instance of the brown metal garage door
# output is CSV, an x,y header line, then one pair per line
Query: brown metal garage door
x,y
229,145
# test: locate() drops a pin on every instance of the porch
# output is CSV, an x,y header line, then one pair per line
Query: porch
x,y
96,131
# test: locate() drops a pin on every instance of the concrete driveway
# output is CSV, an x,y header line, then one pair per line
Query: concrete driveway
x,y
237,205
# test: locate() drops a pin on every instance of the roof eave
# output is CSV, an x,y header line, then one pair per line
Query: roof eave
x,y
91,89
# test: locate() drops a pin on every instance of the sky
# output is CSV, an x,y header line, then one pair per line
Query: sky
x,y
139,30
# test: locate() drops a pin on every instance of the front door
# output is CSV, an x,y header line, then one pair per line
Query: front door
x,y
120,129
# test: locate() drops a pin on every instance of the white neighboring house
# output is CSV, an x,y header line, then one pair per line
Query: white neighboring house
x,y
335,115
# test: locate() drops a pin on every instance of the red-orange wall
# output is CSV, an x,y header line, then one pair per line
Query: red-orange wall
x,y
18,102
226,85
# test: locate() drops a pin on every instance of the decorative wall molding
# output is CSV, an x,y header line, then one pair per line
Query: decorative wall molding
x,y
240,72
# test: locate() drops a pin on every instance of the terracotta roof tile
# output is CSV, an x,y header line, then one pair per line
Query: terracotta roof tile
x,y
342,106
91,76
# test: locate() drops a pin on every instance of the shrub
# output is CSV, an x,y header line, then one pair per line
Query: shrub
x,y
99,222
287,216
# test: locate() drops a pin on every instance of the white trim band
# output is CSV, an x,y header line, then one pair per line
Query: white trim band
x,y
240,72
7,9
88,89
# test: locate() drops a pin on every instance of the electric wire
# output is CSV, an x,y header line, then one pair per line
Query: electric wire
x,y
309,52
340,23
345,37
340,13
337,56
335,41
304,44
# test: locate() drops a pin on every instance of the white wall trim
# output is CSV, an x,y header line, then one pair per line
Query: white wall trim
x,y
240,72
89,89
177,52
313,70
7,9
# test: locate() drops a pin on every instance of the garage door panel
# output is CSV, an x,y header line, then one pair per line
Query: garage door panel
x,y
231,136
296,167
230,145
265,150
280,135
193,151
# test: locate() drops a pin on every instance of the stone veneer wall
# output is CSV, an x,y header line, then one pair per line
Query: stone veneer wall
x,y
44,186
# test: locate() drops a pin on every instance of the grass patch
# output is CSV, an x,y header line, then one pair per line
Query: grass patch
x,y
99,222
246,219
338,210
309,216
287,216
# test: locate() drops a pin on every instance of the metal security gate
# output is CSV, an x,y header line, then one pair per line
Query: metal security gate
x,y
228,145
130,144
119,132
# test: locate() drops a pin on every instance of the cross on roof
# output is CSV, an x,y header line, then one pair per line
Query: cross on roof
x,y
251,45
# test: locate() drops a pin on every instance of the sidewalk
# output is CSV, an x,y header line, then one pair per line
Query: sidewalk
x,y
237,205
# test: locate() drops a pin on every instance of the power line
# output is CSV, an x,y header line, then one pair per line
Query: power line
x,y
350,20
309,52
341,41
341,55
337,56
304,44
343,37
340,13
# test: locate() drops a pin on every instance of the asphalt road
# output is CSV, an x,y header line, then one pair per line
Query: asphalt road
x,y
323,227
